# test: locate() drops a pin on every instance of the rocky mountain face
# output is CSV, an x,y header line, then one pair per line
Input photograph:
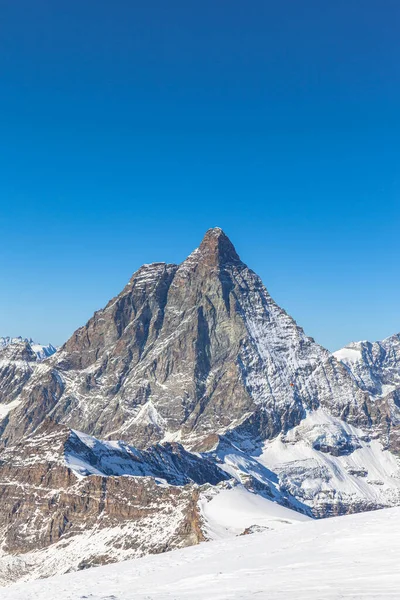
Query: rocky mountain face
x,y
41,351
53,518
186,353
375,366
18,360
192,382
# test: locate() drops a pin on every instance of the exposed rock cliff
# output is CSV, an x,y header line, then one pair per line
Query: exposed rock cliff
x,y
185,352
191,381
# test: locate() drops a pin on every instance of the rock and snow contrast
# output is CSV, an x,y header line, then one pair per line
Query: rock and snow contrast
x,y
41,351
191,408
374,365
354,556
19,358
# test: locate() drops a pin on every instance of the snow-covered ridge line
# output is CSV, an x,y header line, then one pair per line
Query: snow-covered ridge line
x,y
317,468
42,351
166,463
375,366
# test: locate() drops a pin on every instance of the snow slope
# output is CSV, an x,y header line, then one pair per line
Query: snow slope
x,y
226,512
231,511
6,408
355,557
324,463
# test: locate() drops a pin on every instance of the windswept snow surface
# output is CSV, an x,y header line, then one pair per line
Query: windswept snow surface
x,y
231,511
6,408
355,557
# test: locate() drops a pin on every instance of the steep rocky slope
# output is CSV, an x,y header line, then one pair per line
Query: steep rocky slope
x,y
190,384
46,502
70,501
375,366
187,352
18,360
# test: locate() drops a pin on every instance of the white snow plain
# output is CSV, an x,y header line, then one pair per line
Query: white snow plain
x,y
355,557
231,511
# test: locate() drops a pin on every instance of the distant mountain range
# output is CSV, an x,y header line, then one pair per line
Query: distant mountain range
x,y
187,409
375,366
40,350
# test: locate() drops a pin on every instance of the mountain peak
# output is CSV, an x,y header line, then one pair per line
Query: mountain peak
x,y
217,249
29,349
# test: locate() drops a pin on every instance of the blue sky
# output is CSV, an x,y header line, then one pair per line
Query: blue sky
x,y
129,128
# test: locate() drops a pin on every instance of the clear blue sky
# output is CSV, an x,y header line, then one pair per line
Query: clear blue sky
x,y
129,128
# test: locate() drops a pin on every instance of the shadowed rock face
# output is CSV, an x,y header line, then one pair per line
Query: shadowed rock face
x,y
198,357
186,352
44,502
169,462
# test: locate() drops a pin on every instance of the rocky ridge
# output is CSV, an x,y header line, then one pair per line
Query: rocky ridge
x,y
189,382
186,352
41,351
375,366
19,358
53,518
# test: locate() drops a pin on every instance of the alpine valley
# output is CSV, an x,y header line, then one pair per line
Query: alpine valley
x,y
191,408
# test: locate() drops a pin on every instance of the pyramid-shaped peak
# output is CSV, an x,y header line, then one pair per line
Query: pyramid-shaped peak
x,y
217,248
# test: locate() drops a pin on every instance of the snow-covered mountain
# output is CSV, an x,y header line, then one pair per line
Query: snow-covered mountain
x,y
41,351
19,358
355,556
374,365
190,386
70,501
186,353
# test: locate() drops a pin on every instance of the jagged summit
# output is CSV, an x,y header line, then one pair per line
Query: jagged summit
x,y
187,352
216,249
191,366
17,349
217,242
